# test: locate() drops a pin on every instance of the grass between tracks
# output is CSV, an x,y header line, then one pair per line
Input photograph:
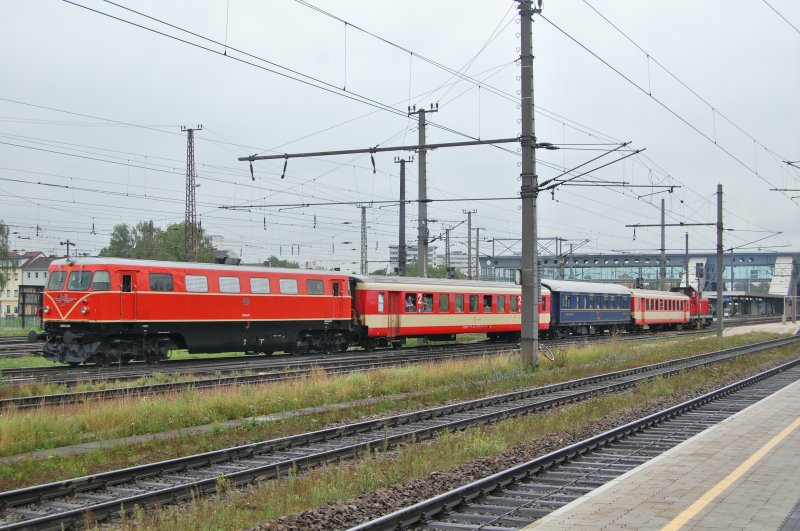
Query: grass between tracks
x,y
363,395
233,509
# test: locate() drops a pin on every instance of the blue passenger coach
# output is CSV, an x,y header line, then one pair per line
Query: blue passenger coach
x,y
583,308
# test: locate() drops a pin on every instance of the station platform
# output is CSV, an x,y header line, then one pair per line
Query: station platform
x,y
743,473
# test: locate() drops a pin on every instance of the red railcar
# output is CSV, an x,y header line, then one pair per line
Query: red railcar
x,y
390,309
107,310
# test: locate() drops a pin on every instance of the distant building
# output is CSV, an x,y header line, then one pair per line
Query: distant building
x,y
31,289
9,297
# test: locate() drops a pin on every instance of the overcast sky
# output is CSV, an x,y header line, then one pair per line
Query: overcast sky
x,y
91,109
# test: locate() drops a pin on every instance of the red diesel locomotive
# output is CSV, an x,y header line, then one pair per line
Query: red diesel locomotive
x,y
108,310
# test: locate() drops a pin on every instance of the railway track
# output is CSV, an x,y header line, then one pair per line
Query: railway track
x,y
18,346
68,503
525,493
237,371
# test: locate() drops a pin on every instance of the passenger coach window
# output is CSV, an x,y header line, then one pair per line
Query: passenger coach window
x,y
411,302
79,280
380,302
514,304
444,302
315,287
160,282
487,303
288,286
229,285
194,283
501,304
101,281
259,285
459,304
57,280
473,303
427,302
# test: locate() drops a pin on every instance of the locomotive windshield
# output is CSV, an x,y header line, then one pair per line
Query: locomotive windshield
x,y
79,280
57,280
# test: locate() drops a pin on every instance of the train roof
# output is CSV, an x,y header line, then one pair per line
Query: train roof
x,y
133,263
585,287
657,293
416,283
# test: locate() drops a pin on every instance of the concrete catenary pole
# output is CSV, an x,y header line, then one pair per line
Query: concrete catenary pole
x,y
469,241
422,227
401,243
663,262
719,261
529,337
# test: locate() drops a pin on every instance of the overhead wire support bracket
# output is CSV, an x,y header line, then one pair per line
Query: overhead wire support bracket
x,y
376,149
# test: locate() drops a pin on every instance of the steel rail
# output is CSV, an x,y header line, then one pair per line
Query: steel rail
x,y
107,494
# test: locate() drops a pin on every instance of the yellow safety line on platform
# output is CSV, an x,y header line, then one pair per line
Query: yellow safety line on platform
x,y
717,489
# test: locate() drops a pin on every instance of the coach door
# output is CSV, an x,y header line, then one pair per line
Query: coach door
x,y
127,296
395,307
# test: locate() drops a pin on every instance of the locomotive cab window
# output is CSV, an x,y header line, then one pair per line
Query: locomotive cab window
x,y
101,281
229,285
259,285
160,282
57,280
79,280
459,303
196,283
288,286
315,287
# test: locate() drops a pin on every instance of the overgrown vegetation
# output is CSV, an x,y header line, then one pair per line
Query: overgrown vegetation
x,y
263,503
349,398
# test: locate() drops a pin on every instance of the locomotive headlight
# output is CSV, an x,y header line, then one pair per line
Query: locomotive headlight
x,y
84,310
46,309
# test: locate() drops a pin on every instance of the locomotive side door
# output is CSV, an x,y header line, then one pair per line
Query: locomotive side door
x,y
338,299
127,296
395,308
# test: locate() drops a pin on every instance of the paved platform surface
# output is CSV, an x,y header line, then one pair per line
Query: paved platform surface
x,y
742,474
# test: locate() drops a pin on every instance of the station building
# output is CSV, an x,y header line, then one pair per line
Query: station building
x,y
753,283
